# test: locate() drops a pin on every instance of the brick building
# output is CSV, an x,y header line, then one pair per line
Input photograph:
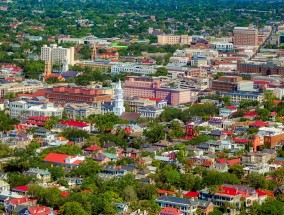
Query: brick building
x,y
70,94
268,68
271,141
226,83
245,36
152,87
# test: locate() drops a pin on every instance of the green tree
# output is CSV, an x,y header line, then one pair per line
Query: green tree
x,y
176,130
257,181
87,168
237,169
10,96
51,122
271,207
18,179
104,122
154,133
71,208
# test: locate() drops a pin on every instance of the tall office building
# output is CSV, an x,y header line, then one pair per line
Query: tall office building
x,y
56,54
245,36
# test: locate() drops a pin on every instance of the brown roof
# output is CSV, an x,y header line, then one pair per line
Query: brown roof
x,y
130,116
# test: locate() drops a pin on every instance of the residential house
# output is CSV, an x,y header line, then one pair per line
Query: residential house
x,y
18,205
43,175
4,186
145,160
101,158
6,195
278,190
39,210
21,190
42,132
279,161
170,211
256,157
63,159
77,124
227,111
131,153
122,207
186,206
220,167
112,171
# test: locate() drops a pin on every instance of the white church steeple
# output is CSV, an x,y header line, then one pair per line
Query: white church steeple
x,y
118,108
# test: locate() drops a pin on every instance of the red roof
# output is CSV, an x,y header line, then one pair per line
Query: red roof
x,y
230,191
260,123
93,148
40,210
251,114
191,194
65,194
153,99
207,163
21,188
273,113
74,123
222,160
17,201
260,82
264,192
240,140
233,161
232,107
165,192
170,211
60,158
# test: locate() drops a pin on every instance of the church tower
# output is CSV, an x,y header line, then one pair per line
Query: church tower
x,y
118,108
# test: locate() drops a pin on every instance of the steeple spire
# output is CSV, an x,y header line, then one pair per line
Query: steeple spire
x,y
118,108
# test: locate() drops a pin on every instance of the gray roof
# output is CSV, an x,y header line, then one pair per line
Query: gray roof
x,y
177,200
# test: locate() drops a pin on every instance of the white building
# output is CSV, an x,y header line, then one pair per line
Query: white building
x,y
237,96
83,40
46,109
223,46
23,109
150,111
118,108
132,68
56,54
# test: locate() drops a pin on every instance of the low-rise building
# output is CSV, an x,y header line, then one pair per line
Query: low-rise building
x,y
43,175
63,159
237,96
150,112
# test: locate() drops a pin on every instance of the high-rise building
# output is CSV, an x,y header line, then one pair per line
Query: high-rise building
x,y
56,54
245,36
118,108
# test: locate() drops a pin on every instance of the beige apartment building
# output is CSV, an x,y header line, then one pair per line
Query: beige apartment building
x,y
245,36
56,54
174,39
17,88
